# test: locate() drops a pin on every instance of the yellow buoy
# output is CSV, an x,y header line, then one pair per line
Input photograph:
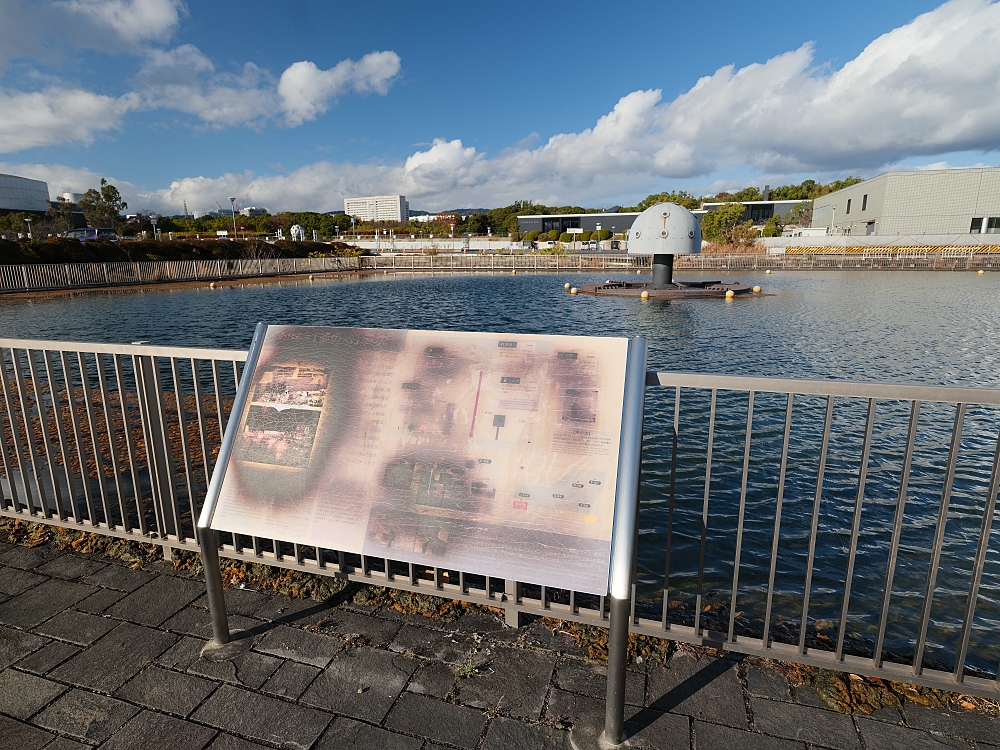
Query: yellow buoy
x,y
310,277
567,285
574,290
212,285
644,295
730,294
981,271
756,290
768,271
513,272
638,272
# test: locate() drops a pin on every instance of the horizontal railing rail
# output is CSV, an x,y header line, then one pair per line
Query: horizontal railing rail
x,y
45,276
841,524
907,259
502,262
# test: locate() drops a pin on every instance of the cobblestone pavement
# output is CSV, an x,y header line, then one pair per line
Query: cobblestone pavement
x,y
96,654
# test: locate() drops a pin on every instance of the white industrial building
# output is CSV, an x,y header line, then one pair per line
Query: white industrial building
x,y
378,208
22,194
942,201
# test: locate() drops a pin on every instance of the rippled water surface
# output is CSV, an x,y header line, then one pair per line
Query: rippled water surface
x,y
932,328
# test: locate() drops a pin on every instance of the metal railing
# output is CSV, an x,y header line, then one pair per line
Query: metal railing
x,y
839,524
44,276
497,262
905,259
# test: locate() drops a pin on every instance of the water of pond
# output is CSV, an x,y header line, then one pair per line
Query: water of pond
x,y
915,327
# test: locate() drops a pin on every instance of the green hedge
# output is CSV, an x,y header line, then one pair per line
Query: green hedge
x,y
66,250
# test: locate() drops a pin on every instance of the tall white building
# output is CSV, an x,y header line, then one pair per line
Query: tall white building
x,y
378,208
22,194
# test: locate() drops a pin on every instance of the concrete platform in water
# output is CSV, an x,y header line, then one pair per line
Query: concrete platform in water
x,y
674,290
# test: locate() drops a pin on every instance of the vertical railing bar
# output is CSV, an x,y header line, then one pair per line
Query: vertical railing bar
x,y
29,434
130,441
185,451
102,379
942,521
22,461
982,547
814,525
203,434
5,458
670,509
388,569
74,420
236,374
168,453
218,397
777,520
142,390
742,513
61,434
897,530
704,515
855,529
43,423
95,445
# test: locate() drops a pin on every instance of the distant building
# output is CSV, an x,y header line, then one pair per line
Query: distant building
x,y
756,211
378,208
613,222
943,201
253,211
22,194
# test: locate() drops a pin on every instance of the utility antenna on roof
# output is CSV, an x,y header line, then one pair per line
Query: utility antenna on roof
x,y
185,209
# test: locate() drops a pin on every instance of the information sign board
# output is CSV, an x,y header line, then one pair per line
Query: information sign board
x,y
487,453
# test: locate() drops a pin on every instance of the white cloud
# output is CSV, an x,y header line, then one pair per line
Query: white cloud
x,y
913,92
306,91
48,29
134,21
59,114
185,79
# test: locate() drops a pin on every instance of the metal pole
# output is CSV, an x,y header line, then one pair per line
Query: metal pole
x,y
209,542
623,541
207,537
587,734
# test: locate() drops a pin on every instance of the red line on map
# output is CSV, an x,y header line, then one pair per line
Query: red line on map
x,y
476,407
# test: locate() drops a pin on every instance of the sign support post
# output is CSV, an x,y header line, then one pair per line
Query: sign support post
x,y
588,735
208,538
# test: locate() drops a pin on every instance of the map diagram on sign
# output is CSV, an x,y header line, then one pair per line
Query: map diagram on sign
x,y
486,453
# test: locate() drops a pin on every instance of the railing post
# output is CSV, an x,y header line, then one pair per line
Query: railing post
x,y
512,595
158,460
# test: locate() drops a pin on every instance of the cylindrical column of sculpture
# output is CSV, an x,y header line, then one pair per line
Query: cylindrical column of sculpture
x,y
663,269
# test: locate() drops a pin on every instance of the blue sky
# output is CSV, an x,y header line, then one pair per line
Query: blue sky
x,y
457,105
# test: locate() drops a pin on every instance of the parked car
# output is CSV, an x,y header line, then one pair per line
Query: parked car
x,y
90,233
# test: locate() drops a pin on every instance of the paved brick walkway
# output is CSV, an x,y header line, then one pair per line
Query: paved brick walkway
x,y
95,654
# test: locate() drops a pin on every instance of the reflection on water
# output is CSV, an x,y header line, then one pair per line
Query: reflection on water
x,y
936,328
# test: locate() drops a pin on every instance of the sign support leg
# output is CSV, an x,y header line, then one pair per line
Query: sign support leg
x,y
213,583
588,734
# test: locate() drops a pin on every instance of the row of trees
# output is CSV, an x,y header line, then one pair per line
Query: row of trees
x,y
104,207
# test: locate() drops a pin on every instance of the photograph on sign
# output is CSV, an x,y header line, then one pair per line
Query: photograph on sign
x,y
486,453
